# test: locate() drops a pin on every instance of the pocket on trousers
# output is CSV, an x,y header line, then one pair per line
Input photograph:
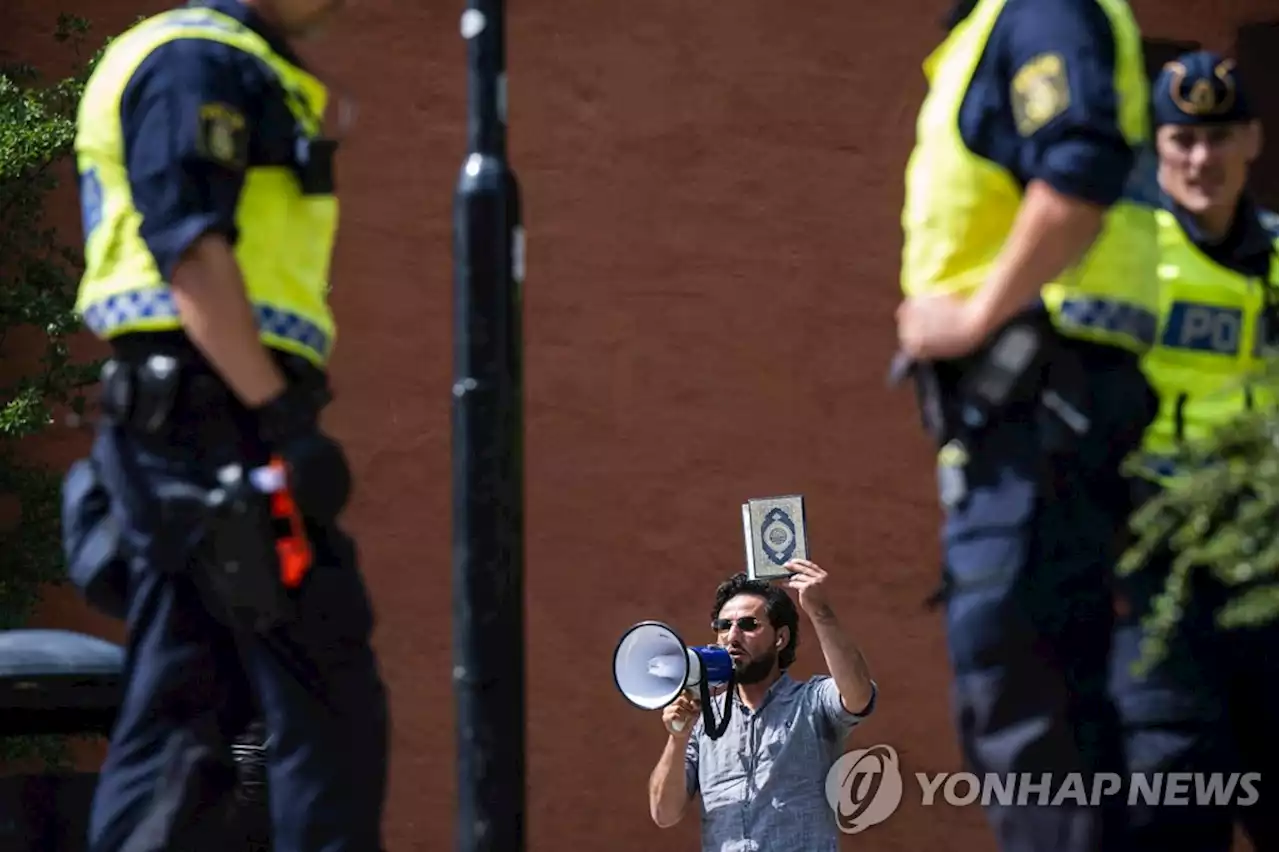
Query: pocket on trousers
x,y
987,543
92,544
335,607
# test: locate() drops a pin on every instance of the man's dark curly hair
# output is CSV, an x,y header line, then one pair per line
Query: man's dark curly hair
x,y
777,603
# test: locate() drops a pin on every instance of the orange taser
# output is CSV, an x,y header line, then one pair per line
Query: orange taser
x,y
292,546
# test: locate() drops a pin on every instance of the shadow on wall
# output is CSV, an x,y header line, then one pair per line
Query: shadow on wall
x,y
1256,57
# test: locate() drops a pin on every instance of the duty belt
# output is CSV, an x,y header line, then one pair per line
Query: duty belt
x,y
166,398
1027,369
158,397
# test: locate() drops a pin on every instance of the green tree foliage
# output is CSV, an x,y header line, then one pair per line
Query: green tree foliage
x,y
38,277
1220,518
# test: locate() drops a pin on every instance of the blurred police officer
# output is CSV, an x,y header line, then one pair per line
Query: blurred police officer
x,y
1211,705
1029,271
209,216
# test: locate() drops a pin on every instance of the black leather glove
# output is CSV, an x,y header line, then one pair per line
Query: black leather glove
x,y
319,475
293,412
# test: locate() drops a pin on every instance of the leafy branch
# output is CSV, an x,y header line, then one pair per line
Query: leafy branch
x,y
39,274
1219,517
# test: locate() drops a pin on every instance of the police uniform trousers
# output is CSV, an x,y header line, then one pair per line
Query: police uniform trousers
x,y
1029,560
192,684
1208,706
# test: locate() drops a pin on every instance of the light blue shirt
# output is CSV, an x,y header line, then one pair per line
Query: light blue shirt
x,y
762,785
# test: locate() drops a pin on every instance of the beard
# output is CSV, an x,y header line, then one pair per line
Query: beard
x,y
754,670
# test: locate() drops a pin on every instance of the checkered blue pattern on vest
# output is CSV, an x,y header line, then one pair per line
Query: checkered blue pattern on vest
x,y
131,310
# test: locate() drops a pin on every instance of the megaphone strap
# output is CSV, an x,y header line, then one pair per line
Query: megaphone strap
x,y
713,730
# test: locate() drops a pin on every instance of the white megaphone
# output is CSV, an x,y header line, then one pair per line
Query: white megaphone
x,y
652,666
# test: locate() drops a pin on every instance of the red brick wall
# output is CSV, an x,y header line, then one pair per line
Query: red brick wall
x,y
711,198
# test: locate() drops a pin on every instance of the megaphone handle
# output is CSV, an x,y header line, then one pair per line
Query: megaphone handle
x,y
677,725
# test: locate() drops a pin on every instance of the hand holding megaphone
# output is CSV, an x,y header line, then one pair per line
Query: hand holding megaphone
x,y
679,714
653,668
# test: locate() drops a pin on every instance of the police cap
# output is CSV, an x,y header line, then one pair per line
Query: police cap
x,y
1199,88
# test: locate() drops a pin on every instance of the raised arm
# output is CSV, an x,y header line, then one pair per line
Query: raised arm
x,y
845,662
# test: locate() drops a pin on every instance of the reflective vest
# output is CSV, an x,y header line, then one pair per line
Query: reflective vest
x,y
1215,337
286,238
960,207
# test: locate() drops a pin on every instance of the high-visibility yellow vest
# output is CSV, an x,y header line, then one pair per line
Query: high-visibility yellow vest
x,y
286,238
960,207
1210,361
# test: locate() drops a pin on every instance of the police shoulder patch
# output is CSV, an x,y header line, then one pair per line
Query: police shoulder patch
x,y
1039,92
223,135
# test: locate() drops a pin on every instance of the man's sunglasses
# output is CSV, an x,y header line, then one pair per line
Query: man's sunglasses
x,y
747,624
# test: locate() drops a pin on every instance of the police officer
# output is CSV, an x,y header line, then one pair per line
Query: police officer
x,y
209,215
1210,705
1028,267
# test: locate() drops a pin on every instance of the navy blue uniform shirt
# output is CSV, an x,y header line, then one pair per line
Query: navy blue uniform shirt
x,y
183,186
1077,146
